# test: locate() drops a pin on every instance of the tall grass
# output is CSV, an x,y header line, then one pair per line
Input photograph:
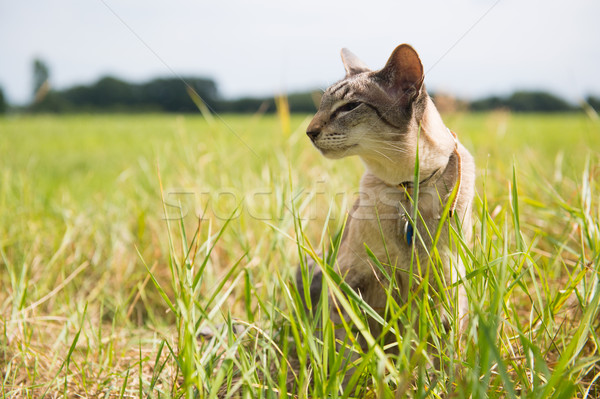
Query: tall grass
x,y
154,256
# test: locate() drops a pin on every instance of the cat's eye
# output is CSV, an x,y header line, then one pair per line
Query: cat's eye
x,y
346,107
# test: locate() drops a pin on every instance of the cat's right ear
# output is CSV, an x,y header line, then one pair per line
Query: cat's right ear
x,y
352,63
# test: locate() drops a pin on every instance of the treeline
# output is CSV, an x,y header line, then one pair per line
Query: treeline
x,y
305,102
530,101
111,94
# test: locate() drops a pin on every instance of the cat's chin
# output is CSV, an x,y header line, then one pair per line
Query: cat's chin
x,y
337,153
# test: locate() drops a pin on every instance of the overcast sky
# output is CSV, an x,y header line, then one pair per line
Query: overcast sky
x,y
470,48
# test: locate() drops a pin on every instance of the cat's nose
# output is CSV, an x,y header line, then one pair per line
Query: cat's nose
x,y
313,130
313,133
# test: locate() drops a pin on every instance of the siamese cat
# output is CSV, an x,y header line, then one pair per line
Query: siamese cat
x,y
387,119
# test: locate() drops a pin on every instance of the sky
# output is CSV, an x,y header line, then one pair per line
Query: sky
x,y
469,48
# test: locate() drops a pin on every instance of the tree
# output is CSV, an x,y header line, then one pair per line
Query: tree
x,y
3,105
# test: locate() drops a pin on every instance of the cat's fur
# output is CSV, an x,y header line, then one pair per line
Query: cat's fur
x,y
384,117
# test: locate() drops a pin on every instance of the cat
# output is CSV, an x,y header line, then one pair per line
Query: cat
x,y
384,117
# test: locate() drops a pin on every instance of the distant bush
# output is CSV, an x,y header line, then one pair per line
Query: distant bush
x,y
524,101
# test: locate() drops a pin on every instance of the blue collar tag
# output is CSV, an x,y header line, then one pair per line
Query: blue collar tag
x,y
408,233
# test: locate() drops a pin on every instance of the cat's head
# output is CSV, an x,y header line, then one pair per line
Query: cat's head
x,y
372,113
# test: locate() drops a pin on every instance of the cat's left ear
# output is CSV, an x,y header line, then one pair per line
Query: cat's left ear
x,y
352,63
402,76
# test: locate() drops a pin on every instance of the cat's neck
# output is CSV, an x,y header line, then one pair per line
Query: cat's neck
x,y
390,172
435,145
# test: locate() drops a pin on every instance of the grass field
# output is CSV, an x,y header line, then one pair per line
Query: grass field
x,y
114,287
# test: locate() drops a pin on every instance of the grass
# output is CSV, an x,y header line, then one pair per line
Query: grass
x,y
153,256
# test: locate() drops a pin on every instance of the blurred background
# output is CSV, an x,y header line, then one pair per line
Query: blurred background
x,y
137,56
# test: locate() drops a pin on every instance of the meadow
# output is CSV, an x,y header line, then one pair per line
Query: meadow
x,y
153,256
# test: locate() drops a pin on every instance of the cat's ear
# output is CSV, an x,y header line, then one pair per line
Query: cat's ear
x,y
402,76
352,63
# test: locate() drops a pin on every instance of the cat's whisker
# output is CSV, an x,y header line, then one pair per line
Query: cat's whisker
x,y
386,142
382,154
365,138
387,147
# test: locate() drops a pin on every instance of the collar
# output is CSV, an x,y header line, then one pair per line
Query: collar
x,y
408,186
